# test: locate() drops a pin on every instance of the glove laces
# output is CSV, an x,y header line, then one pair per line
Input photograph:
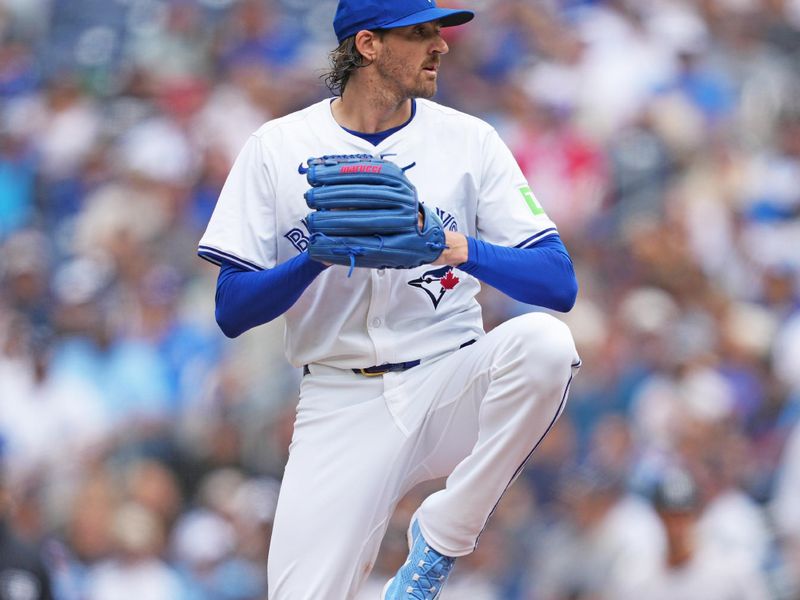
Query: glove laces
x,y
351,252
343,249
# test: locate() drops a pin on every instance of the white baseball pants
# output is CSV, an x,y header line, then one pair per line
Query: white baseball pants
x,y
361,443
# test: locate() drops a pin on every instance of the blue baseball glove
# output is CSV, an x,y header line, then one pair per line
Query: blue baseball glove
x,y
367,215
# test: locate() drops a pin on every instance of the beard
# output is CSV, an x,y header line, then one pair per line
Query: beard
x,y
403,79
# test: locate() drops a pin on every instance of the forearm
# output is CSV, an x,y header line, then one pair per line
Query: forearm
x,y
246,299
542,274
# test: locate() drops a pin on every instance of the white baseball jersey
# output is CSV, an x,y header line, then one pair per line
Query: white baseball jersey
x,y
375,316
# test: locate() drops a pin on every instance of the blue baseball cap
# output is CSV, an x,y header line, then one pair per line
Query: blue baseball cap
x,y
354,15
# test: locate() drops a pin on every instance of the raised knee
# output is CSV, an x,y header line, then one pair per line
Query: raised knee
x,y
544,340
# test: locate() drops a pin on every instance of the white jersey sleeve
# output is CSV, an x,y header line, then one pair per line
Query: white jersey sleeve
x,y
508,213
242,228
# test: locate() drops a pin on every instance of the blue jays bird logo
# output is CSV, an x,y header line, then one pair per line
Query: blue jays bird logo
x,y
436,283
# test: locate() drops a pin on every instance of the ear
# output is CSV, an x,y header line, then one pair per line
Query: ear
x,y
367,43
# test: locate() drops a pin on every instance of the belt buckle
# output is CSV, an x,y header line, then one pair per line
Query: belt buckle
x,y
365,373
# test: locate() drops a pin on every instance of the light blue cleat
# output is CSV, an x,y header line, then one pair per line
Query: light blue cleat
x,y
424,573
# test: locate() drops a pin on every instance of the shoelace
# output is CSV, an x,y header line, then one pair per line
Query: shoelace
x,y
432,574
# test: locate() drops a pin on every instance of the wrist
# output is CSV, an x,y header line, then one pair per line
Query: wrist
x,y
457,251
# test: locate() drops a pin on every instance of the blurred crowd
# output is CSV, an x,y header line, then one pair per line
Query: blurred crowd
x,y
142,451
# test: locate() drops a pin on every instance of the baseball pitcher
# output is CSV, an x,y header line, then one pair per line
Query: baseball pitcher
x,y
369,220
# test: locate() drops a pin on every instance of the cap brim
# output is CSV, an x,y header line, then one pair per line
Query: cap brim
x,y
447,17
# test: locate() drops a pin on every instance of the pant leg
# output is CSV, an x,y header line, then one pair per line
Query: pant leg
x,y
343,478
493,403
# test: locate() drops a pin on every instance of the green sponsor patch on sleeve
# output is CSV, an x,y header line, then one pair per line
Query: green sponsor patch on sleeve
x,y
531,201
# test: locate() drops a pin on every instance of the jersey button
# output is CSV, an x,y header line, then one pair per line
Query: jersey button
x,y
381,272
376,322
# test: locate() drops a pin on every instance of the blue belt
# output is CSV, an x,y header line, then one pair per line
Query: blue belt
x,y
389,367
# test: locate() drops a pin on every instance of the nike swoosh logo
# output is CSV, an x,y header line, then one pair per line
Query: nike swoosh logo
x,y
383,156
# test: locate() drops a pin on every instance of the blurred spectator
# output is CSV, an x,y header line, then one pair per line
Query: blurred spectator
x,y
25,273
221,544
786,354
204,547
785,508
126,373
63,124
611,533
686,571
154,486
177,47
87,537
729,522
23,574
17,168
564,167
135,569
38,406
260,34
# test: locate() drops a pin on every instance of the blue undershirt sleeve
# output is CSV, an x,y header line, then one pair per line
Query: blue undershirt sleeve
x,y
246,299
541,274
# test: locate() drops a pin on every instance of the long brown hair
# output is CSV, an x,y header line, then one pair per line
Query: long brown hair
x,y
344,59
